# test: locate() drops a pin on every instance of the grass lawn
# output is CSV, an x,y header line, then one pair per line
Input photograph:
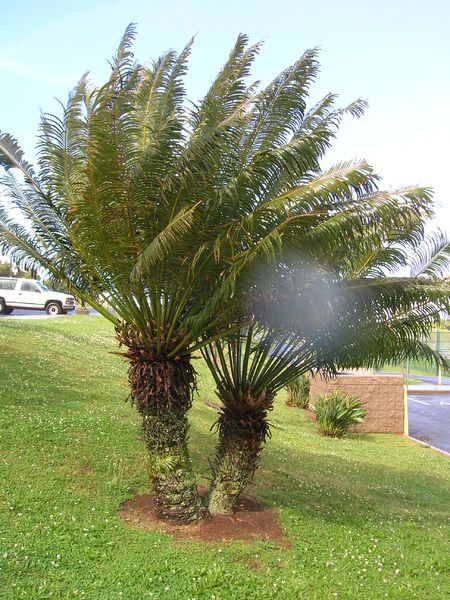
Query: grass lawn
x,y
420,367
367,516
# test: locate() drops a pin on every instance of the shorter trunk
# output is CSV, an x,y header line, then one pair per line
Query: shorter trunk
x,y
241,438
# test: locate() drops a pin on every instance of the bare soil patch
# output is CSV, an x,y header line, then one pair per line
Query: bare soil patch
x,y
251,521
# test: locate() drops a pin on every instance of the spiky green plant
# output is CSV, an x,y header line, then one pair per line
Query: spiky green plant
x,y
328,303
336,412
161,208
327,324
298,391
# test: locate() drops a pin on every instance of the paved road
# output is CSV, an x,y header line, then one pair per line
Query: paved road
x,y
424,378
18,312
429,419
41,313
430,379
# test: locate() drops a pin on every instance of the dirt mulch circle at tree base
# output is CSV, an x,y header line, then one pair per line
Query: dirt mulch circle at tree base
x,y
250,522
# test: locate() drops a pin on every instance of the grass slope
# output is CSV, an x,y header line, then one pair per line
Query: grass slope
x,y
367,516
421,367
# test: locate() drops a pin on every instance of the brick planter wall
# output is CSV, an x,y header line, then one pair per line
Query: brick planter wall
x,y
381,394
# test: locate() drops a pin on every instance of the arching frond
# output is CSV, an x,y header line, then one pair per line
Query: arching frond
x,y
12,157
175,213
432,257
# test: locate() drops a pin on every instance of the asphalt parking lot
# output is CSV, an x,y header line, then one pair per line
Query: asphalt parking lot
x,y
31,313
429,419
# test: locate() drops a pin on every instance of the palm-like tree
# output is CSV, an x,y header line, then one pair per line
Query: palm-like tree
x,y
166,210
124,205
159,208
322,314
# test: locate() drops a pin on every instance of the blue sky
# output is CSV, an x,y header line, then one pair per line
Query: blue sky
x,y
394,53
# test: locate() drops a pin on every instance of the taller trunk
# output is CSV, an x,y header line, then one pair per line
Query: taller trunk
x,y
162,389
174,486
243,430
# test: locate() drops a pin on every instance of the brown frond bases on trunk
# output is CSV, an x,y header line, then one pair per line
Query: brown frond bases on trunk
x,y
162,390
243,430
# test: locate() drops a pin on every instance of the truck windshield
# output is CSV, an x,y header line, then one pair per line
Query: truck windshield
x,y
43,287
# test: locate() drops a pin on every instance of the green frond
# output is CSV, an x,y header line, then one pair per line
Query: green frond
x,y
326,326
279,109
432,257
184,215
123,61
164,242
12,157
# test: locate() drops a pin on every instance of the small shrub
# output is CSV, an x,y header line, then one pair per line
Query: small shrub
x,y
298,391
336,412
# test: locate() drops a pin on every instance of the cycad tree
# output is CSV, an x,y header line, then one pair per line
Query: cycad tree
x,y
159,208
324,313
123,203
165,209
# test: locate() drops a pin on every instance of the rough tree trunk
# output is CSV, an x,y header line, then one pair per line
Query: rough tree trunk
x,y
242,434
174,486
162,390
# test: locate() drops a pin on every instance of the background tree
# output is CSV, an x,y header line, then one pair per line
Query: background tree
x,y
9,270
6,270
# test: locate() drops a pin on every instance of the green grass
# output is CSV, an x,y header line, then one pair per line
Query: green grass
x,y
367,516
415,381
421,367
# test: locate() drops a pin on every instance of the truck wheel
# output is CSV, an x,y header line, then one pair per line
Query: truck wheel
x,y
53,309
2,307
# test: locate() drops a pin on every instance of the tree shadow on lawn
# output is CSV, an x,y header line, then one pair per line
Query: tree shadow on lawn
x,y
341,489
345,490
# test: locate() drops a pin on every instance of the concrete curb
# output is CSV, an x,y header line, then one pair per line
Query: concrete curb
x,y
34,317
418,389
428,446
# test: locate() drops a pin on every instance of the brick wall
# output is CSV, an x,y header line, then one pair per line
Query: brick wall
x,y
382,395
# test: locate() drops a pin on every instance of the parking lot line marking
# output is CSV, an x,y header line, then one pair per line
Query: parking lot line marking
x,y
445,403
420,401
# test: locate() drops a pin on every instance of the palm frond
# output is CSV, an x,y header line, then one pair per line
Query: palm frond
x,y
182,215
164,242
12,157
432,257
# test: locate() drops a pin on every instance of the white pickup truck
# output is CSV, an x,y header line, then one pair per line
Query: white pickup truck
x,y
31,294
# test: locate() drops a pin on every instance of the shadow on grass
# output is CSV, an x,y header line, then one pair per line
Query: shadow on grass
x,y
337,488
